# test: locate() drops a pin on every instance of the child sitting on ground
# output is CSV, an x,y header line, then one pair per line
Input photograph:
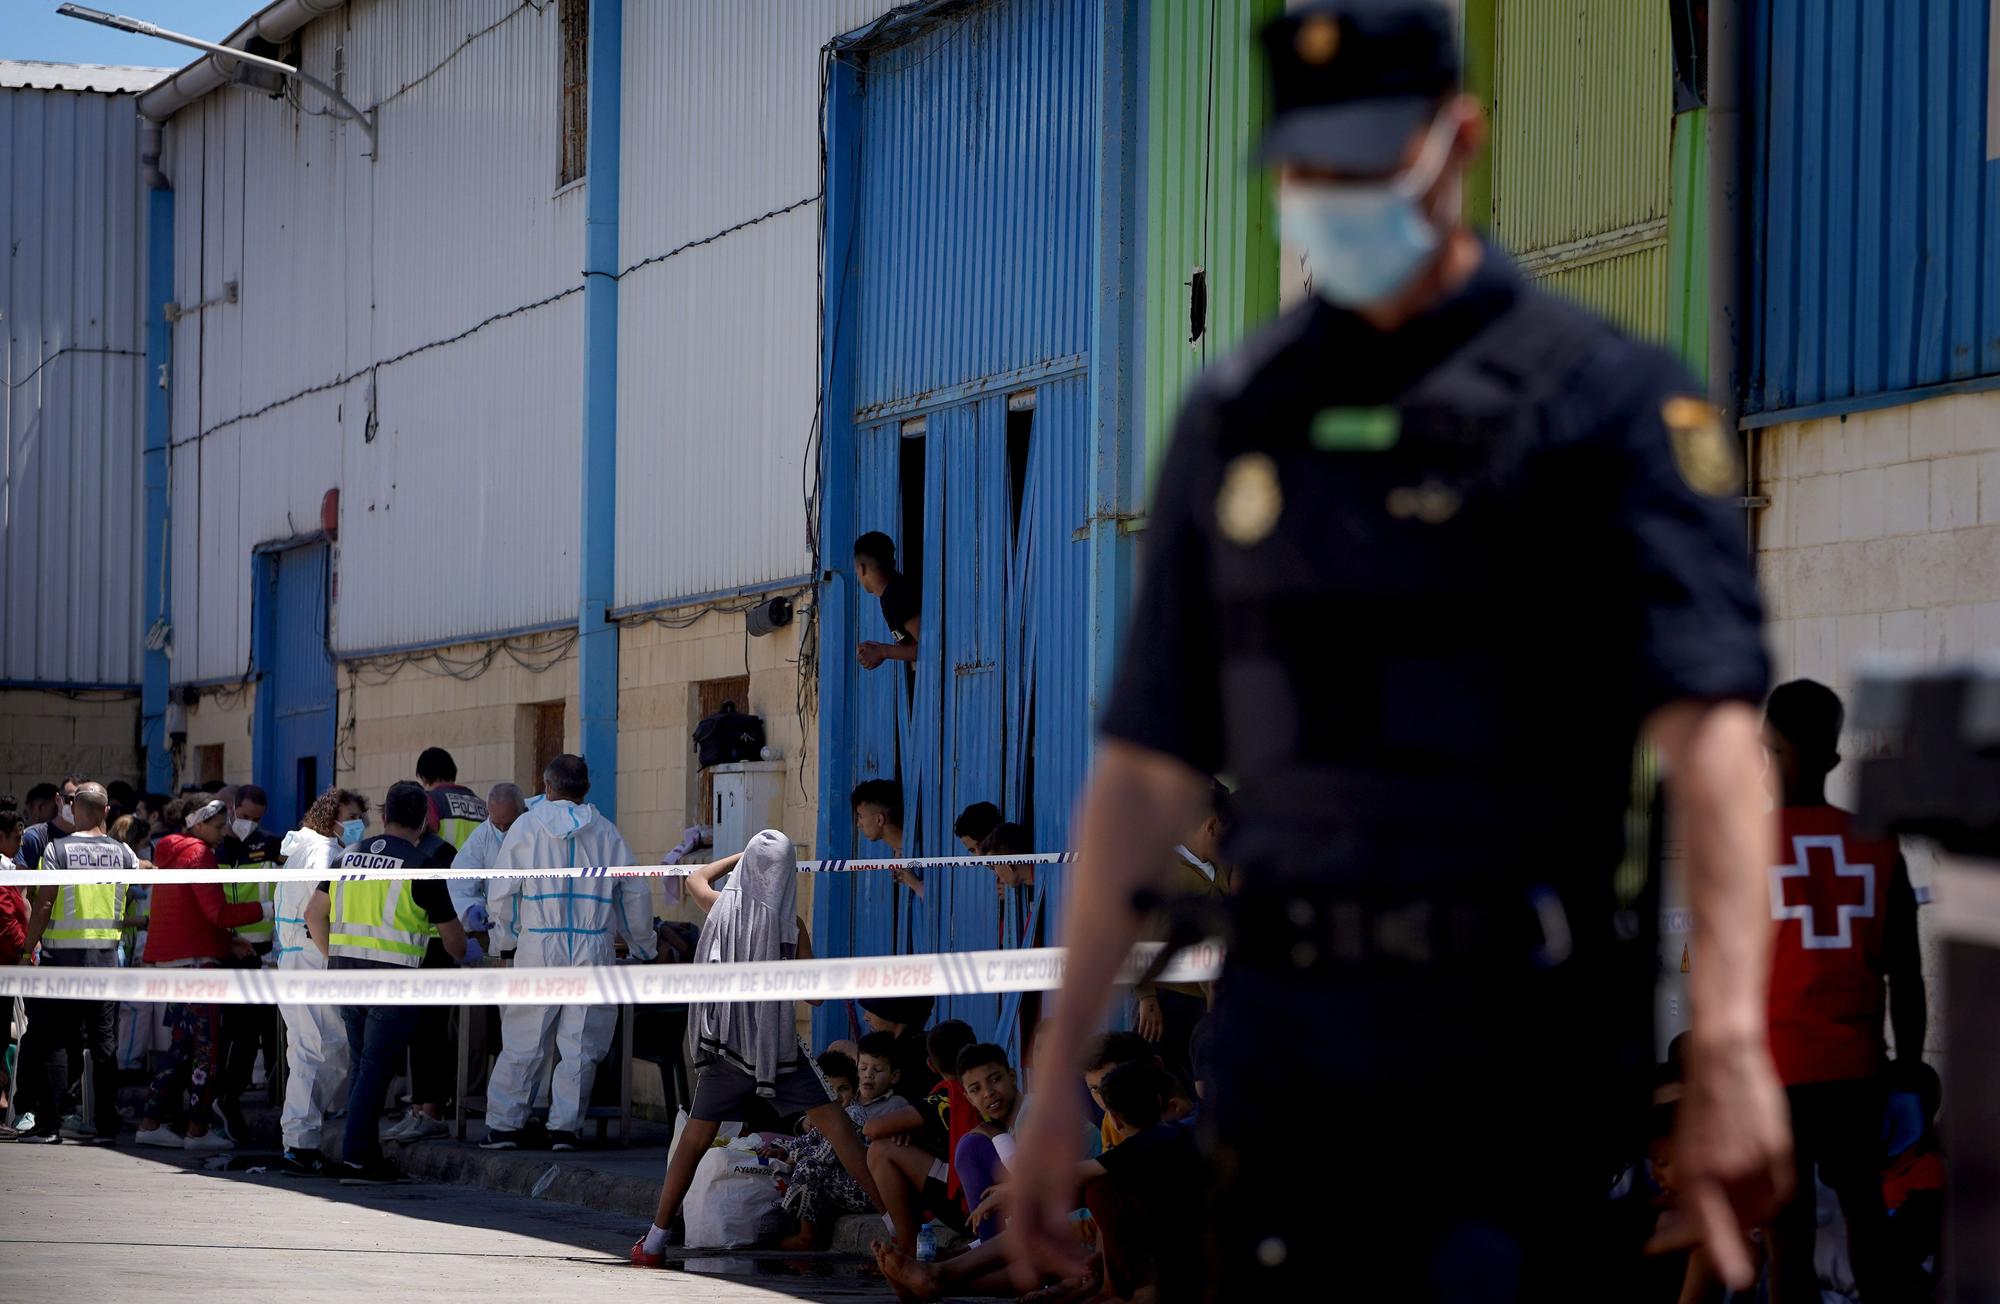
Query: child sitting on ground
x,y
918,1177
1139,1196
981,1158
820,1189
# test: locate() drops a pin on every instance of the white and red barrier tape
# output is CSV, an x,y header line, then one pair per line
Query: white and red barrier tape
x,y
23,877
823,978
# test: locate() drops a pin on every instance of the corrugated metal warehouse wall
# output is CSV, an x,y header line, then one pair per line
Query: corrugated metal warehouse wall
x,y
1582,105
966,437
1875,223
1208,206
72,385
718,367
389,334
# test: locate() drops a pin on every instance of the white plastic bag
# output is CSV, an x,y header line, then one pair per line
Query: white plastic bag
x,y
724,1132
733,1202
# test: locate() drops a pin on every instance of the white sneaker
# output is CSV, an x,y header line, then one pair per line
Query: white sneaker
x,y
158,1136
421,1127
210,1140
395,1130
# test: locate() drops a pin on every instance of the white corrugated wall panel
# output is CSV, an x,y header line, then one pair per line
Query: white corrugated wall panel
x,y
467,218
434,528
364,286
72,225
718,359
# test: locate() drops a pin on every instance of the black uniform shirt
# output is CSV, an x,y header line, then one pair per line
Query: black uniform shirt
x,y
1375,614
901,603
431,895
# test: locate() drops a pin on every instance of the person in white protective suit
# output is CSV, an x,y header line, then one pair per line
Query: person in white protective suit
x,y
481,850
560,923
316,1059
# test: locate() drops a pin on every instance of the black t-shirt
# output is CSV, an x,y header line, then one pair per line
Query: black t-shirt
x,y
1473,622
260,848
902,602
1161,1169
912,1063
431,895
35,841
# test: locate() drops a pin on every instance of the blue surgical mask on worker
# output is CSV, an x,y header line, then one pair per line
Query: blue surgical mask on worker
x,y
351,831
1363,241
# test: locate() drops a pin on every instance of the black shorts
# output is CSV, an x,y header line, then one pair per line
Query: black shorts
x,y
723,1093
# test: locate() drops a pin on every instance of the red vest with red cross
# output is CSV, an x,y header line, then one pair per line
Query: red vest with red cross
x,y
1829,903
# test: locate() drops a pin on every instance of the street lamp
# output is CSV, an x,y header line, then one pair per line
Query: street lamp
x,y
140,27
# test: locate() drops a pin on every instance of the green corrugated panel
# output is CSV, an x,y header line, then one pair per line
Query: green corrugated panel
x,y
1687,253
1630,289
1582,112
1207,205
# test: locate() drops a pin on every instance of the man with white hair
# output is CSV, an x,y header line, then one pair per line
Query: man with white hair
x,y
560,923
481,850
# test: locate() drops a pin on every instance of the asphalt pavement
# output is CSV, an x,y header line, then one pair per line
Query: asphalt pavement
x,y
87,1223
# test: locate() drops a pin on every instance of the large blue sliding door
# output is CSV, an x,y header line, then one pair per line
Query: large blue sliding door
x,y
968,184
293,745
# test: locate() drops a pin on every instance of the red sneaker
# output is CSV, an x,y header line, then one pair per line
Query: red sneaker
x,y
641,1259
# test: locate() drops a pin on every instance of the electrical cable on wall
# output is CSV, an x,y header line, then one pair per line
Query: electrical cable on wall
x,y
65,352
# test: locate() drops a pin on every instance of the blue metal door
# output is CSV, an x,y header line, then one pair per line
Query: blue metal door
x,y
295,694
969,193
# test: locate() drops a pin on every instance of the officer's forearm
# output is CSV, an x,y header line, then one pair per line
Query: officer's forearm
x,y
1137,802
1715,773
38,918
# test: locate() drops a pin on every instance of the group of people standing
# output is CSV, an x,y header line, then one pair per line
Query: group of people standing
x,y
338,1060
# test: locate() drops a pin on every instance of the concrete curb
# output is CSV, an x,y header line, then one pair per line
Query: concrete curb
x,y
522,1172
527,1173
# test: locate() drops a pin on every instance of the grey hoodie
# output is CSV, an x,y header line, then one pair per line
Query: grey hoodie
x,y
756,918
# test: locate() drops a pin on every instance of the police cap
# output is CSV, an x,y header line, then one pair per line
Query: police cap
x,y
1353,80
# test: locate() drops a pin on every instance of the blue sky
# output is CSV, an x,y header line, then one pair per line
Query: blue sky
x,y
30,29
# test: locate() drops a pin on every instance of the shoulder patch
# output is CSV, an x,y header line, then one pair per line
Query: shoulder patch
x,y
1248,506
1703,451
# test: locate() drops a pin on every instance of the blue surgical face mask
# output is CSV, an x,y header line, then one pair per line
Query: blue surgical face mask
x,y
1364,241
352,831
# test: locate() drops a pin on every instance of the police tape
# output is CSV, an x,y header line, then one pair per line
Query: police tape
x,y
19,876
824,978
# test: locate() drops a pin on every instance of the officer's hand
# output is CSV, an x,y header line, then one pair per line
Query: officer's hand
x,y
1041,1192
1734,1143
1151,1024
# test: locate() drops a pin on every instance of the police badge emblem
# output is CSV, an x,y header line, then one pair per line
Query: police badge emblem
x,y
1318,40
1703,451
1247,509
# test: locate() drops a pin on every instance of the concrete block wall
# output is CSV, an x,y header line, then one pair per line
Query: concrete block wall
x,y
487,724
1883,540
485,721
224,718
45,735
660,669
1883,536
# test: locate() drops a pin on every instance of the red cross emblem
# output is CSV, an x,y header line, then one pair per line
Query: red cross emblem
x,y
1830,889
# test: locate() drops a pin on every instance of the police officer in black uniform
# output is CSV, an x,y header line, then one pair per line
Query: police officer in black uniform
x,y
1429,556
